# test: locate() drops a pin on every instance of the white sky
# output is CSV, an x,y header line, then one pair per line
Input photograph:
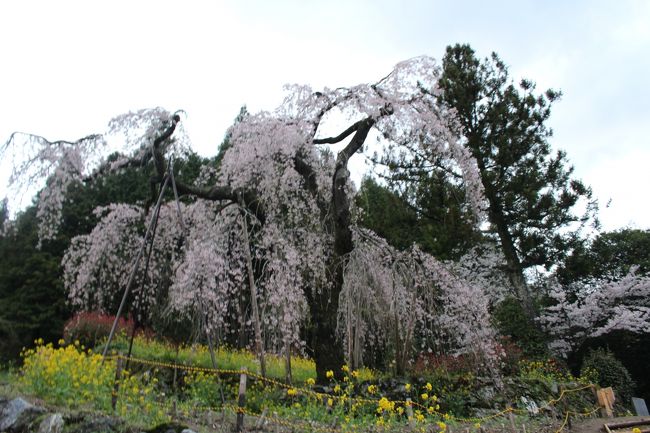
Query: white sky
x,y
69,67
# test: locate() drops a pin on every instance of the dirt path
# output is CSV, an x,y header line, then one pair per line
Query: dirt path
x,y
596,425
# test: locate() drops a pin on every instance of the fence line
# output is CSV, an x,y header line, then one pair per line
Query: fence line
x,y
323,396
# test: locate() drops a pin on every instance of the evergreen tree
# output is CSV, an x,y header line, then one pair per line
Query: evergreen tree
x,y
610,254
530,192
427,212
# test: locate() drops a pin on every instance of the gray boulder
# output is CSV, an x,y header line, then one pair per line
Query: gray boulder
x,y
53,423
15,413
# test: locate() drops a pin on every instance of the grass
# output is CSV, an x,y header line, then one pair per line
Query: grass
x,y
302,369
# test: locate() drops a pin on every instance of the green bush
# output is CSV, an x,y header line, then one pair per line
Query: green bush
x,y
511,321
602,365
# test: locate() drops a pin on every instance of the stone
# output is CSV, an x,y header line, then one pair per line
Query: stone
x,y
530,405
52,423
11,411
640,407
188,431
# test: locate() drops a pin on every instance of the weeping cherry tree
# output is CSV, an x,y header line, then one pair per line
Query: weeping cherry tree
x,y
314,270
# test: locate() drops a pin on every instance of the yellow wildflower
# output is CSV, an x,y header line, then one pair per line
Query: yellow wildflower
x,y
329,374
407,387
345,368
372,389
311,381
330,402
291,392
428,386
385,405
337,389
442,425
424,396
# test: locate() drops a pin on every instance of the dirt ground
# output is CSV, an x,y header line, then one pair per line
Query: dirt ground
x,y
596,425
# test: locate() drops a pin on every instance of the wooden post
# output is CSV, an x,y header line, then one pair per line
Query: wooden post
x,y
259,343
241,401
116,384
287,363
409,412
606,401
511,417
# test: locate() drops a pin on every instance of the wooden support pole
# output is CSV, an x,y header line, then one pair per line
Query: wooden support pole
x,y
409,412
116,384
511,417
241,401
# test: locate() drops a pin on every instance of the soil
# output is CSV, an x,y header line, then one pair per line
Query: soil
x,y
596,425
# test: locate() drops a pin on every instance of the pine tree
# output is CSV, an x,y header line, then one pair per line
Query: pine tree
x,y
530,192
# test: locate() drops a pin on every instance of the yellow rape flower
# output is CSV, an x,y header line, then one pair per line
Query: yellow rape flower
x,y
385,405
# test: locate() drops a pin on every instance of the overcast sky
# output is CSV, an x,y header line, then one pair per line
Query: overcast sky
x,y
69,67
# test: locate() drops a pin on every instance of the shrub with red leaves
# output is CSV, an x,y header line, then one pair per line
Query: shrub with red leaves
x,y
91,328
432,362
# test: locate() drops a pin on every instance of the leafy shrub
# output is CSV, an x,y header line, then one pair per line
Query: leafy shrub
x,y
89,328
510,320
442,363
548,370
512,355
602,365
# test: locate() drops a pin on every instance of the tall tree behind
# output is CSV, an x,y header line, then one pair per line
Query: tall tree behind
x,y
530,192
426,210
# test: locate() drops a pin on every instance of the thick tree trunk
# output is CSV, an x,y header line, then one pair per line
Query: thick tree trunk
x,y
328,350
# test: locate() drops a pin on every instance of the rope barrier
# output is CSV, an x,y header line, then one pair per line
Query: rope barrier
x,y
321,396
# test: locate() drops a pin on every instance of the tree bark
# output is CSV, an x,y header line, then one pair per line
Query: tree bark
x,y
328,350
514,268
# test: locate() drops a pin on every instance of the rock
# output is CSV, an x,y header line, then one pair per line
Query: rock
x,y
530,405
188,431
52,423
12,412
170,427
96,425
